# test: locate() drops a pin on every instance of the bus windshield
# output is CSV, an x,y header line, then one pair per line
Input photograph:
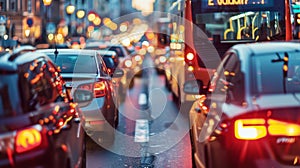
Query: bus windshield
x,y
253,22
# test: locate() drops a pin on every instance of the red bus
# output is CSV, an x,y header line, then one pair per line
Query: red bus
x,y
202,30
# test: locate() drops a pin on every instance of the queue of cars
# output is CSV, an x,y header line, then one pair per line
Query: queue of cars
x,y
249,116
39,124
50,99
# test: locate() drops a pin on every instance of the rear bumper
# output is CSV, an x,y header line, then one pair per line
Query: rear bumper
x,y
96,116
254,154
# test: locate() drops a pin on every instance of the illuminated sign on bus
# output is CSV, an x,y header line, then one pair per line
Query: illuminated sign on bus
x,y
236,2
232,5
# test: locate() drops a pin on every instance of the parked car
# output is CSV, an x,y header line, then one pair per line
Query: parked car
x,y
249,116
85,69
39,124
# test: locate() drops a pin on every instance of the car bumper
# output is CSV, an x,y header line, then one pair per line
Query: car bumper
x,y
94,116
254,154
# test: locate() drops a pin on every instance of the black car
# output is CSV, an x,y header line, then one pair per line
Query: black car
x,y
39,124
249,116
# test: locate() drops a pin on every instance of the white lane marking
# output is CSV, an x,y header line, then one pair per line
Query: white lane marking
x,y
141,131
142,99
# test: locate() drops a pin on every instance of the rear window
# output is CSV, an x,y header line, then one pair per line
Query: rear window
x,y
269,77
75,63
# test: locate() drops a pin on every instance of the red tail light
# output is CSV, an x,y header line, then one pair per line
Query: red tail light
x,y
28,139
253,129
250,129
99,88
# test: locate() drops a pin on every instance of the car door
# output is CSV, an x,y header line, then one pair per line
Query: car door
x,y
209,110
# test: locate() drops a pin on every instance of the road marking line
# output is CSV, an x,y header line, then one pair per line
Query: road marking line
x,y
142,99
141,131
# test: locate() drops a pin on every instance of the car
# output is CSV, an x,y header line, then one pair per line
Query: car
x,y
39,123
85,69
249,115
126,62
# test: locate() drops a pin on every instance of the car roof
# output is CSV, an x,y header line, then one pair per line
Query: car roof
x,y
68,51
78,51
11,60
259,48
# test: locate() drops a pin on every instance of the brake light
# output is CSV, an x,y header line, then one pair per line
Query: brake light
x,y
28,139
99,88
190,56
283,128
250,129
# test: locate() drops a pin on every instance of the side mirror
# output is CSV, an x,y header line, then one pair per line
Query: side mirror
x,y
118,73
83,96
193,87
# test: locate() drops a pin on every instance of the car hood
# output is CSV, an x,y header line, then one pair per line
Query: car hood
x,y
277,100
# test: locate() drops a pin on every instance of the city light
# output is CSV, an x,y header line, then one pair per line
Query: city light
x,y
47,2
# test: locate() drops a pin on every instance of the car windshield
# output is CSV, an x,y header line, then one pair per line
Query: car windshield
x,y
269,77
9,97
70,63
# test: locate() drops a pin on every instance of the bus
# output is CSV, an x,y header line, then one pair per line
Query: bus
x,y
203,30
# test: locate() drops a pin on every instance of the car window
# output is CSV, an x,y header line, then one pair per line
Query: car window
x,y
10,103
118,50
109,62
235,82
268,75
102,66
73,63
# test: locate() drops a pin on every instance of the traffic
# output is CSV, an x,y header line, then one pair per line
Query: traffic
x,y
180,83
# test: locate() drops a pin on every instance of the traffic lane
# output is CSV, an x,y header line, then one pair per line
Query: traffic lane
x,y
169,129
168,143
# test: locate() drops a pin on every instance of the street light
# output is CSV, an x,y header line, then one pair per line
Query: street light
x,y
44,32
70,10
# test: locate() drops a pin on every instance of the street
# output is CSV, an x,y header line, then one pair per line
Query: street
x,y
165,142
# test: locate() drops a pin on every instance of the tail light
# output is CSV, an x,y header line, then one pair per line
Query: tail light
x,y
250,129
283,128
28,139
253,129
99,88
